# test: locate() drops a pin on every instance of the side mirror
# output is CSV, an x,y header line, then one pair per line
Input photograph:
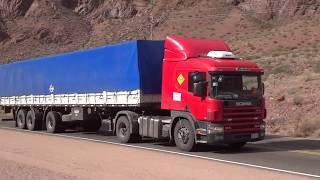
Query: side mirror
x,y
199,89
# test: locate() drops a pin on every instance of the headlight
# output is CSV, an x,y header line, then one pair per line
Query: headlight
x,y
262,126
215,128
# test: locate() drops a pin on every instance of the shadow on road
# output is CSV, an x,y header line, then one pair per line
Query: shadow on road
x,y
270,144
276,145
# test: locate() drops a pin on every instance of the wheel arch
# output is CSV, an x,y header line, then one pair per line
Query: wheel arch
x,y
133,120
178,115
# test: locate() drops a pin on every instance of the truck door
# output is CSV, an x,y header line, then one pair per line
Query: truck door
x,y
196,105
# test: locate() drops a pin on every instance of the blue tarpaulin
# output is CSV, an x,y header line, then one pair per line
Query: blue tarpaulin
x,y
134,65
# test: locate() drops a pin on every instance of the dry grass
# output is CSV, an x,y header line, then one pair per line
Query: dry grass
x,y
309,76
297,100
285,69
316,67
307,127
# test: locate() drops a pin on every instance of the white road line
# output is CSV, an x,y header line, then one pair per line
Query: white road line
x,y
166,151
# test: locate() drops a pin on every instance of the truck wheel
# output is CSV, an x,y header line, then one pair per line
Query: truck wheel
x,y
21,119
123,130
53,122
184,135
237,145
33,120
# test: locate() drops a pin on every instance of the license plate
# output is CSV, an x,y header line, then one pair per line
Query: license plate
x,y
244,103
254,136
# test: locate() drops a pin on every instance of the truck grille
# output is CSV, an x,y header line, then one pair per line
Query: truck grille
x,y
242,119
241,127
242,114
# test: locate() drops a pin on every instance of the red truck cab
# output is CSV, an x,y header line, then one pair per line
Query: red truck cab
x,y
220,96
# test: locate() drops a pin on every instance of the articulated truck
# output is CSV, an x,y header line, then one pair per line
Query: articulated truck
x,y
186,91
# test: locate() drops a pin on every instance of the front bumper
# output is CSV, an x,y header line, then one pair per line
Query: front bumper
x,y
219,136
234,138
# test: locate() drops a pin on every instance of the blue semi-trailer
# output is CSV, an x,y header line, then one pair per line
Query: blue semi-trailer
x,y
188,91
83,87
126,67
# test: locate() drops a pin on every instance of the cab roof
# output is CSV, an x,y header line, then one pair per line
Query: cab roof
x,y
179,49
193,53
227,65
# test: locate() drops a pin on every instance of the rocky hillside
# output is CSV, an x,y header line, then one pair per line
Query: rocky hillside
x,y
280,35
280,9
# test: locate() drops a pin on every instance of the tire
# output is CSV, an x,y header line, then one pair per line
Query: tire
x,y
34,120
184,136
236,146
123,130
21,119
54,122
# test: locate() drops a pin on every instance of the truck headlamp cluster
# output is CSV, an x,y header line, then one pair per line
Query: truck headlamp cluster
x,y
215,128
262,126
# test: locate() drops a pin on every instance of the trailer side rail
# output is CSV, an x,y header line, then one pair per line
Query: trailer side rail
x,y
125,98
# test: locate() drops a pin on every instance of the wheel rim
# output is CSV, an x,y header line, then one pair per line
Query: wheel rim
x,y
50,123
183,135
29,121
123,129
20,120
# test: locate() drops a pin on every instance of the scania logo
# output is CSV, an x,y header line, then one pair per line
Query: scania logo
x,y
243,104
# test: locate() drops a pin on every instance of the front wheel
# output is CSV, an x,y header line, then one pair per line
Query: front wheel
x,y
184,136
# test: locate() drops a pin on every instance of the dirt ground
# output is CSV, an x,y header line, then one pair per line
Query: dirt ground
x,y
31,156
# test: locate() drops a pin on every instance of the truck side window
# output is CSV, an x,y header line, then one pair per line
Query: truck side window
x,y
195,77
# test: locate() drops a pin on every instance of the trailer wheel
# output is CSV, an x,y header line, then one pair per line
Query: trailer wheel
x,y
21,119
53,122
123,130
184,135
33,120
236,146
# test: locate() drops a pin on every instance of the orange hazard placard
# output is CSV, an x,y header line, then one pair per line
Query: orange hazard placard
x,y
180,79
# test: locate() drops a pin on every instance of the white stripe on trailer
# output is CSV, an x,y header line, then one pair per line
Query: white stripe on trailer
x,y
91,99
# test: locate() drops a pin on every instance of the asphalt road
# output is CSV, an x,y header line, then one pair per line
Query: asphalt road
x,y
289,155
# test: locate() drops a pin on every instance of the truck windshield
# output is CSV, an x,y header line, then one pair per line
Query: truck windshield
x,y
238,86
